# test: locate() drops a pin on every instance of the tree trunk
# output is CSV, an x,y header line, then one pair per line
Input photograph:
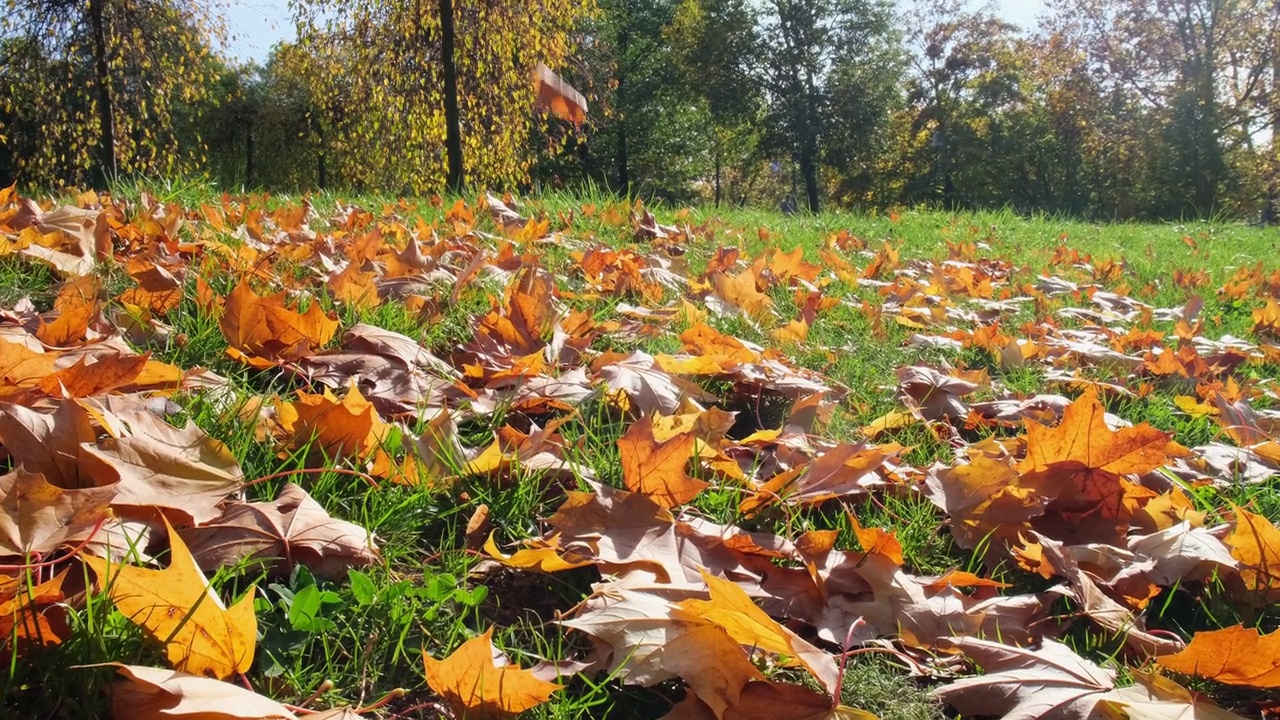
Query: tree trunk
x,y
452,121
809,144
248,155
1271,209
622,159
106,162
717,161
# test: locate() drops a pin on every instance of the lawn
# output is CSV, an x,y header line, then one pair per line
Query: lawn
x,y
762,459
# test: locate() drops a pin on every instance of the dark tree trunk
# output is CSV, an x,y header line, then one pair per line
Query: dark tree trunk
x,y
621,158
248,154
717,160
452,121
1271,209
106,162
322,168
809,144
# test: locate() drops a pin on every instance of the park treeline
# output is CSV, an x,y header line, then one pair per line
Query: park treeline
x,y
1106,109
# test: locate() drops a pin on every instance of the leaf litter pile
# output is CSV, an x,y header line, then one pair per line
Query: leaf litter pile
x,y
638,452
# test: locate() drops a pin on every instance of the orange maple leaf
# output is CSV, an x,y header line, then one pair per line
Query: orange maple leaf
x,y
346,428
1236,655
262,330
1255,542
1082,464
657,469
477,681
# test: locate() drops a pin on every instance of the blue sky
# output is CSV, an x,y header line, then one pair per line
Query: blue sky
x,y
256,25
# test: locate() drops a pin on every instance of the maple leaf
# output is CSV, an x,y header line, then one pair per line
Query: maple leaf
x,y
31,615
644,639
731,609
739,293
935,394
1098,606
541,555
843,471
1049,682
646,386
1255,543
262,331
158,288
769,701
182,471
149,693
1081,465
37,517
1235,655
177,606
657,469
982,497
336,429
478,681
1153,697
1266,320
392,370
293,528
108,373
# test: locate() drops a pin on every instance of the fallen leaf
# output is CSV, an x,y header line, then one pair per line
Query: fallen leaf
x,y
293,529
37,518
1049,682
657,469
643,639
1235,655
541,555
262,330
150,693
177,607
1255,543
31,614
478,681
731,609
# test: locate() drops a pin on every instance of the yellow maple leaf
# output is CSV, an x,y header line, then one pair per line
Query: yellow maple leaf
x,y
177,607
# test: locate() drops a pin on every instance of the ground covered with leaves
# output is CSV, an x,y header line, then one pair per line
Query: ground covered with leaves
x,y
275,457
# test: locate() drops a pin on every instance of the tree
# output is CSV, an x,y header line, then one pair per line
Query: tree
x,y
397,120
1200,69
714,46
972,109
102,81
811,44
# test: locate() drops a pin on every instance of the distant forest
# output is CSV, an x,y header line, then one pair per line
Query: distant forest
x,y
1108,109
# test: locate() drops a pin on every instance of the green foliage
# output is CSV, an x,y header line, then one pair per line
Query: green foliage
x,y
374,71
96,89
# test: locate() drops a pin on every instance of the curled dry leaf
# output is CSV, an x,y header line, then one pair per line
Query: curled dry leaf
x,y
1049,682
646,639
37,518
31,615
149,693
293,529
541,555
177,606
478,681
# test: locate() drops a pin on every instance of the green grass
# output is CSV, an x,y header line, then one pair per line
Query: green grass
x,y
355,638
